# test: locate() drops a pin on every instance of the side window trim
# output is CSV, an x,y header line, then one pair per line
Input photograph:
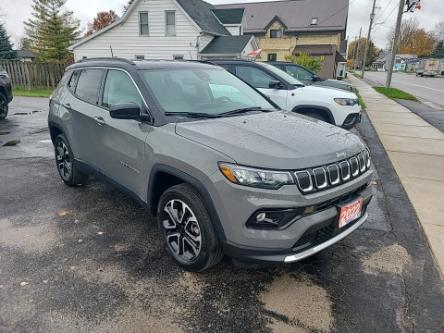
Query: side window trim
x,y
100,85
102,89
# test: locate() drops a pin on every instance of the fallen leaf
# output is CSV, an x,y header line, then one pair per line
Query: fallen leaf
x,y
24,284
72,268
80,241
62,212
45,281
76,221
100,233
11,143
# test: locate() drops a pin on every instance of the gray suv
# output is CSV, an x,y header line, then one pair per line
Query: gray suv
x,y
222,167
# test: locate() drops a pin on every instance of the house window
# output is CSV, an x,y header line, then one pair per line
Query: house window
x,y
314,21
272,57
178,56
143,24
170,19
275,33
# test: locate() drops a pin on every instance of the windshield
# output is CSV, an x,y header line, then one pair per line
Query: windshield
x,y
280,73
209,90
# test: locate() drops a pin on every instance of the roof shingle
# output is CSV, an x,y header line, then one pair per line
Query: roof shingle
x,y
295,14
201,13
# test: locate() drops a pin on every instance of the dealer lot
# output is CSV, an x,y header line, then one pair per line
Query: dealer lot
x,y
90,259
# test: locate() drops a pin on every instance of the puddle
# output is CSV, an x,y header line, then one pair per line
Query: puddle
x,y
11,143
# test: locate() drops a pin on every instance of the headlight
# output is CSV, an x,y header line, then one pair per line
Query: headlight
x,y
255,177
346,101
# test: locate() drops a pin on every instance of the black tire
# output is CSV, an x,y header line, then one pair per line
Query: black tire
x,y
179,231
3,107
65,162
317,115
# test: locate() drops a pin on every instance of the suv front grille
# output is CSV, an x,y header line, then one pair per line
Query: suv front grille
x,y
324,177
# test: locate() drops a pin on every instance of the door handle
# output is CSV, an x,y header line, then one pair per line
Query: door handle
x,y
67,106
100,121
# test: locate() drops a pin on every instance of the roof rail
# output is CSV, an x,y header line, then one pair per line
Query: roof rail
x,y
107,59
202,61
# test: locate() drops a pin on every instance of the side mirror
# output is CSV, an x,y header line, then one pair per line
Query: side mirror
x,y
126,111
275,84
316,78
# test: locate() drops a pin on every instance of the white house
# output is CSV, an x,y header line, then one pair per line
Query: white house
x,y
167,29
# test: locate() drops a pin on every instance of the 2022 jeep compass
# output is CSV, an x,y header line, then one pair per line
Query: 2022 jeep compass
x,y
223,168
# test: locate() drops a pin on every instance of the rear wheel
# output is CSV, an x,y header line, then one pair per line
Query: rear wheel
x,y
187,229
3,106
68,171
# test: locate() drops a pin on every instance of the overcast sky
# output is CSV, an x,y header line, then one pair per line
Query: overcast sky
x,y
14,12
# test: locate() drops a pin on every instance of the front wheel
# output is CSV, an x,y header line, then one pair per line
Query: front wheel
x,y
187,229
3,106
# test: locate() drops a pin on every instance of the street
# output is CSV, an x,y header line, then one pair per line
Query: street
x,y
428,89
90,259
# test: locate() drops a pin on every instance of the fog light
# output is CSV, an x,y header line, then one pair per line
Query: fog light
x,y
273,219
261,217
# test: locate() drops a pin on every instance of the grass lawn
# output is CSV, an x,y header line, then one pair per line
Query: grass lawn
x,y
34,92
361,100
395,93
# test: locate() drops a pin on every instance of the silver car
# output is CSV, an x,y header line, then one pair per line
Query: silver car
x,y
222,167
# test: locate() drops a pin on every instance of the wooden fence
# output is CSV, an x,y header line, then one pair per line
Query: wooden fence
x,y
32,75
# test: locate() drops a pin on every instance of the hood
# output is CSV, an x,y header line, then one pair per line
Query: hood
x,y
329,92
276,140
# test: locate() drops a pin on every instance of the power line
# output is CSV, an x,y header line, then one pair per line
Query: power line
x,y
336,13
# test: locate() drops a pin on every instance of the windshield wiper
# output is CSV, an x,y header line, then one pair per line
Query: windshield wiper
x,y
244,110
191,114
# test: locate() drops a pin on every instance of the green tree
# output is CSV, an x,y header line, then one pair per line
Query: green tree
x,y
307,61
51,30
6,51
438,52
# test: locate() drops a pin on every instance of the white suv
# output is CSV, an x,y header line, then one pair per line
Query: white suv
x,y
335,106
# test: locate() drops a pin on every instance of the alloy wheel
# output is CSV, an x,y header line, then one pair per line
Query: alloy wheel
x,y
182,231
64,162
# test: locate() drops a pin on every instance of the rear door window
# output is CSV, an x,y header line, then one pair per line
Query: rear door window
x,y
88,85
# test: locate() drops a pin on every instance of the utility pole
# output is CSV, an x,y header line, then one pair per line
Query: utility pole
x,y
395,43
367,44
357,50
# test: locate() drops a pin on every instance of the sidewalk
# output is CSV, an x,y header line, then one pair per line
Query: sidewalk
x,y
416,150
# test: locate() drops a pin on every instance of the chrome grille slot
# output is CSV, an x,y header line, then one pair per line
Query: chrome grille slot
x,y
354,166
333,174
320,177
323,177
345,170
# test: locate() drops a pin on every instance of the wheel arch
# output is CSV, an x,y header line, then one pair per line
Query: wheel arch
x,y
304,109
54,130
163,177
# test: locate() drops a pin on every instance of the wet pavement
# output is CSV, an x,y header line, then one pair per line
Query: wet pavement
x,y
89,259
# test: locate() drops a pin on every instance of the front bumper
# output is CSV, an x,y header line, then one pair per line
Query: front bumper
x,y
351,120
301,238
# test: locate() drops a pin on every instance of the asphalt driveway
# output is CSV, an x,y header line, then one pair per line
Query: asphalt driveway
x,y
89,259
